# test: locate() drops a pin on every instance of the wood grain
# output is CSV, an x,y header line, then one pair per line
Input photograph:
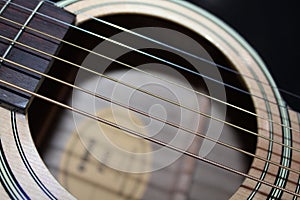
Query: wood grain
x,y
234,48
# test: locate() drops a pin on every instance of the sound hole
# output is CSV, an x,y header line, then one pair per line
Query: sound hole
x,y
82,164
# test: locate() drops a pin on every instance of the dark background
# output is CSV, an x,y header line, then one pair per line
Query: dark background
x,y
272,29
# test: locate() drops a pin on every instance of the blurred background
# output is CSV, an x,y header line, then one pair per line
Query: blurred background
x,y
272,29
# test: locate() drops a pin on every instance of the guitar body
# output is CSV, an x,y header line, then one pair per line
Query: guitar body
x,y
27,172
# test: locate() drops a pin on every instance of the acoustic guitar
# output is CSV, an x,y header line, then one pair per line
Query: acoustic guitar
x,y
138,99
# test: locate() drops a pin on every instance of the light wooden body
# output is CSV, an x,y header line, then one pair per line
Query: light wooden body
x,y
239,53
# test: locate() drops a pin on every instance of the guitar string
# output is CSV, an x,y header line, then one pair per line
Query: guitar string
x,y
150,74
153,140
154,95
151,94
269,120
183,52
236,107
149,55
195,133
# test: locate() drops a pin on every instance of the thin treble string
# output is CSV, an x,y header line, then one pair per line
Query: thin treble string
x,y
195,133
149,55
152,75
153,95
211,63
153,140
